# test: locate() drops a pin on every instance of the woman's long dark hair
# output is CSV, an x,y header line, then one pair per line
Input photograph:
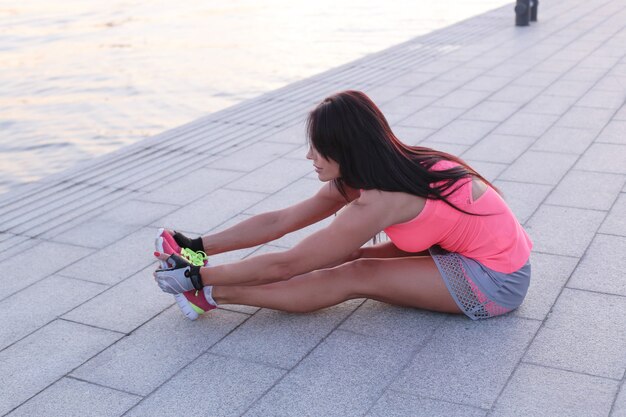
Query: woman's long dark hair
x,y
350,129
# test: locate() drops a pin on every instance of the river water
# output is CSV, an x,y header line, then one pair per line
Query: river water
x,y
82,78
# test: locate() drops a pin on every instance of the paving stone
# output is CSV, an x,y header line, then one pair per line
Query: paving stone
x,y
523,198
439,64
526,124
512,67
491,111
565,139
611,82
294,193
397,404
585,118
619,408
406,105
568,88
272,177
583,333
563,230
58,207
601,269
69,397
294,134
602,99
117,261
412,78
436,88
292,239
96,233
384,321
237,385
621,113
451,148
118,309
299,152
210,211
281,339
394,118
158,350
539,391
555,65
39,304
463,132
412,135
432,117
516,94
584,189
462,99
194,184
135,212
584,74
615,222
488,60
15,246
499,148
539,167
336,378
554,105
614,132
7,238
536,79
461,355
604,157
385,93
488,83
234,255
45,356
56,255
549,273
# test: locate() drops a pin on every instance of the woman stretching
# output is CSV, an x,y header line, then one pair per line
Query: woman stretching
x,y
455,246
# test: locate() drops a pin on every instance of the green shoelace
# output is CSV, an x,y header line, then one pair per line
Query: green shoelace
x,y
196,258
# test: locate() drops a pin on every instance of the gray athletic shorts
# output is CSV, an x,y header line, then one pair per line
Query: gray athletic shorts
x,y
481,292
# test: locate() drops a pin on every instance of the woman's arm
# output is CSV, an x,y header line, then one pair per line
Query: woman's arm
x,y
380,250
352,228
269,226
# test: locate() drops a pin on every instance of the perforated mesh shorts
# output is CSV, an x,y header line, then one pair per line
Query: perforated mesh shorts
x,y
480,292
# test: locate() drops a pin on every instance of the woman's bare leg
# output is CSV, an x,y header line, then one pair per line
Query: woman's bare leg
x,y
409,281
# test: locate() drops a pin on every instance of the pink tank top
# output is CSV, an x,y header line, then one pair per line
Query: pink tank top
x,y
497,240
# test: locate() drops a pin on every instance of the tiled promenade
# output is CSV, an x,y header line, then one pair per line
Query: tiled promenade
x,y
540,110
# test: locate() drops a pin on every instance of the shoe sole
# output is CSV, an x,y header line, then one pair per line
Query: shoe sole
x,y
182,302
185,307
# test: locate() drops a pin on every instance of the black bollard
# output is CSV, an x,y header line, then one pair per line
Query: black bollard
x,y
533,10
522,13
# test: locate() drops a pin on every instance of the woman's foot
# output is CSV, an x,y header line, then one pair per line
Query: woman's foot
x,y
192,303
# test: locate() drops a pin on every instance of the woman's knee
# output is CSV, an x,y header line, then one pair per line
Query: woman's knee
x,y
358,277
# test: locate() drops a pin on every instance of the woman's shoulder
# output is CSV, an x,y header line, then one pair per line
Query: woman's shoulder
x,y
402,206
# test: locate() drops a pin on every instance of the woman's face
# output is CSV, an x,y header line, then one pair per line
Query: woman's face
x,y
327,169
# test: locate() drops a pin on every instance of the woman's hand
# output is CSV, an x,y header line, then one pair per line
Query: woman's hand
x,y
181,276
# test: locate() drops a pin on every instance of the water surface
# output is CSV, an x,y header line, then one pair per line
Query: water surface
x,y
82,78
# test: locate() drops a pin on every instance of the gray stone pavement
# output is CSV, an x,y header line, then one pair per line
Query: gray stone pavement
x,y
539,110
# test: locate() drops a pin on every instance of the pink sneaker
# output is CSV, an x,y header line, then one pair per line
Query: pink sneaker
x,y
192,303
169,239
